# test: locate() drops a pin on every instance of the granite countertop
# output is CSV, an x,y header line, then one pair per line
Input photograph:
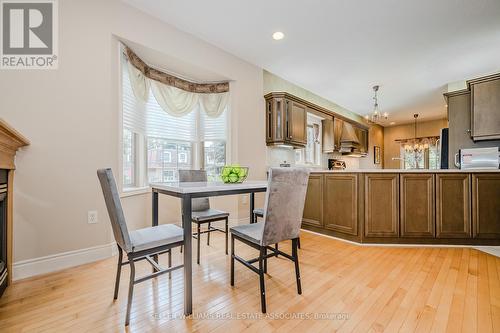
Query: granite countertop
x,y
405,171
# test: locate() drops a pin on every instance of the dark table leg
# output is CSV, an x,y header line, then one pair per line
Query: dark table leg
x,y
252,205
154,210
188,261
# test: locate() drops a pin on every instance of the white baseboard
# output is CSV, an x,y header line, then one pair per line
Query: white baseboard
x,y
493,250
31,267
36,266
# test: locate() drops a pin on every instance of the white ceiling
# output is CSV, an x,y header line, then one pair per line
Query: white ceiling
x,y
339,49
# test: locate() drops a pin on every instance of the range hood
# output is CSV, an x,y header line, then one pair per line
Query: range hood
x,y
350,142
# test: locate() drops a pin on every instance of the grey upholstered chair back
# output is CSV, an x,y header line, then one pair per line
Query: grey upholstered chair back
x,y
114,206
284,207
197,204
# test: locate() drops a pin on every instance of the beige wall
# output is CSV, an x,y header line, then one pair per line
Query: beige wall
x,y
71,116
375,138
392,148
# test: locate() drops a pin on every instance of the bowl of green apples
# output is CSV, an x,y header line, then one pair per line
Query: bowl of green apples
x,y
233,174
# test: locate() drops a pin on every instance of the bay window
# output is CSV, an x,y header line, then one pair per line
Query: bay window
x,y
156,144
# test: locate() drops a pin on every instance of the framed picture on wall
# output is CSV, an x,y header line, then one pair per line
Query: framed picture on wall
x,y
376,154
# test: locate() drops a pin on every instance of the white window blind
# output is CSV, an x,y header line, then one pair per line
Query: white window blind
x,y
150,119
134,111
213,128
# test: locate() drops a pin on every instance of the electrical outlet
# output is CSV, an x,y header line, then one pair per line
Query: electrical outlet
x,y
92,216
244,199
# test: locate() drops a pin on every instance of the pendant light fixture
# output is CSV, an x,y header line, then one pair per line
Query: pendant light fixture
x,y
376,115
416,145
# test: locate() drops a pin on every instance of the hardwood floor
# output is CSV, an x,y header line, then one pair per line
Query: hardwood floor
x,y
357,289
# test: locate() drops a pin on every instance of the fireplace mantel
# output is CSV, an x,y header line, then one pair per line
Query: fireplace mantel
x,y
10,141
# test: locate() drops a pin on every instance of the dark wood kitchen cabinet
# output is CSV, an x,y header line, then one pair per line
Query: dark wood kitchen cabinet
x,y
381,205
286,121
485,106
296,123
486,205
341,203
417,205
331,132
313,207
453,205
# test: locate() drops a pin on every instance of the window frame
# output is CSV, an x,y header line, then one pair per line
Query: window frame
x,y
317,147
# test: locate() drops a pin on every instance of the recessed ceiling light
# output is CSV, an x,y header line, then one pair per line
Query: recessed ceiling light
x,y
392,123
278,35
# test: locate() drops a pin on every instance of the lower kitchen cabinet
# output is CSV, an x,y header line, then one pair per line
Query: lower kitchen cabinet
x,y
453,205
417,205
341,203
486,205
313,207
381,205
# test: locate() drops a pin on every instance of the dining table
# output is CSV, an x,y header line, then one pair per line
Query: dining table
x,y
186,191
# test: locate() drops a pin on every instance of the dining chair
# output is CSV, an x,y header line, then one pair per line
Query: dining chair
x,y
201,211
259,212
143,244
284,206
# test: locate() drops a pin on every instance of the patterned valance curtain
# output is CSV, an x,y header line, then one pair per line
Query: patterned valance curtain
x,y
176,96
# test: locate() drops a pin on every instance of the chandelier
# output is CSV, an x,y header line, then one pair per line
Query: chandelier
x,y
376,114
418,145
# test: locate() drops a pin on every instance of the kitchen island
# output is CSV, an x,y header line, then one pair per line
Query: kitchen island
x,y
397,206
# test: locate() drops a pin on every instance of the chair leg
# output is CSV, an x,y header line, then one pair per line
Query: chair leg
x,y
276,247
295,256
232,260
130,290
118,272
227,231
198,241
169,263
265,261
208,233
261,278
298,242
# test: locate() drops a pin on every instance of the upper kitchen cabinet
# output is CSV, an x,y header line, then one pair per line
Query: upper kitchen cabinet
x,y
286,121
485,107
332,130
363,140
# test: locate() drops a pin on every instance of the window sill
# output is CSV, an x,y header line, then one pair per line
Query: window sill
x,y
129,192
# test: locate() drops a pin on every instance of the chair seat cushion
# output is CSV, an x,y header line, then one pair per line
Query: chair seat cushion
x,y
149,238
208,214
259,212
251,232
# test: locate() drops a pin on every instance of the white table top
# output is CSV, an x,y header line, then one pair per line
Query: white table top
x,y
201,187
